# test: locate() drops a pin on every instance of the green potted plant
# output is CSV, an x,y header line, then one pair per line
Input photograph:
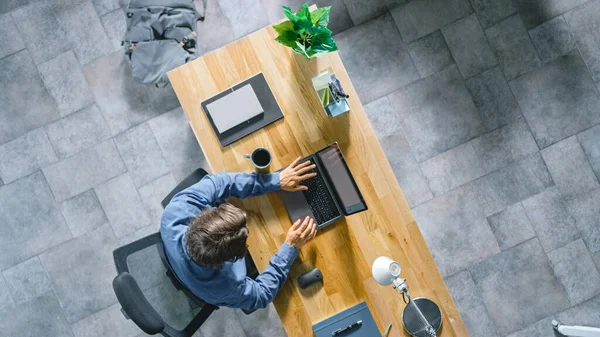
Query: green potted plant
x,y
306,32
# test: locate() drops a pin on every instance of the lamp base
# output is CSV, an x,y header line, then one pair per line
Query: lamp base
x,y
412,321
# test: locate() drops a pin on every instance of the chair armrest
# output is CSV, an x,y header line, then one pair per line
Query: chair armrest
x,y
135,305
120,254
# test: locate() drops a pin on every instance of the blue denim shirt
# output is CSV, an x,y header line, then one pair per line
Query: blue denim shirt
x,y
227,285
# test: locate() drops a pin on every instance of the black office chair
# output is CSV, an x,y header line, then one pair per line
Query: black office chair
x,y
134,304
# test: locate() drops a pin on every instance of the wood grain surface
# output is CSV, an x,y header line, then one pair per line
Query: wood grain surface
x,y
343,251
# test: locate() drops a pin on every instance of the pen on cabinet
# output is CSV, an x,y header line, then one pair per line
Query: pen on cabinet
x,y
349,327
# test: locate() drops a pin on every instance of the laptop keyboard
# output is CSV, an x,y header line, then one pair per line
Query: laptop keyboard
x,y
319,199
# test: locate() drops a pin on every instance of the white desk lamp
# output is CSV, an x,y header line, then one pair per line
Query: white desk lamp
x,y
575,330
387,272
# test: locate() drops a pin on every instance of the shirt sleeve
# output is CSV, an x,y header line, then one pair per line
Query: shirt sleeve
x,y
256,294
220,186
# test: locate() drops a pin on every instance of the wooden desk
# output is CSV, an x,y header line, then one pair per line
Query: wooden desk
x,y
344,251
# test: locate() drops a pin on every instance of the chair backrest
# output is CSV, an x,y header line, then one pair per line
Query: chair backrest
x,y
190,180
136,306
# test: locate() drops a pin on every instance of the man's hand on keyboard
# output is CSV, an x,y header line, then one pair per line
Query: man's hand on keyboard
x,y
294,174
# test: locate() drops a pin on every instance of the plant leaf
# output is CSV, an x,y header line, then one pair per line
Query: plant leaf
x,y
287,38
304,12
300,49
302,25
322,41
288,13
320,16
284,27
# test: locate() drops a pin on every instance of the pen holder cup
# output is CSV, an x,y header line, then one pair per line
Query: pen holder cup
x,y
331,94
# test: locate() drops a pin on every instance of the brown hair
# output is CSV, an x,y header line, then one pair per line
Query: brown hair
x,y
218,235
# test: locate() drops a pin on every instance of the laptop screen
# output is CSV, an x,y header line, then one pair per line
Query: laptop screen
x,y
342,180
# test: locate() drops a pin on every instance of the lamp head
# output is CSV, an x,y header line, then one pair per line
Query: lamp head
x,y
385,270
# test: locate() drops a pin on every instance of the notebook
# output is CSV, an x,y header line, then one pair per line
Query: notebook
x,y
234,108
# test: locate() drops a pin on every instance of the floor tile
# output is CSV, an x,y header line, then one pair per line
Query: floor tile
x,y
84,170
505,145
509,185
518,287
10,39
419,18
140,233
511,226
452,168
376,65
584,22
83,213
124,102
147,268
493,98
173,305
570,168
585,209
421,105
223,322
586,314
262,323
430,54
65,82
40,317
78,131
25,155
339,21
541,328
154,192
81,272
551,219
105,6
576,271
122,204
219,27
590,142
6,301
406,169
84,32
491,12
552,39
40,31
362,11
443,221
27,280
9,5
17,116
596,258
141,154
238,12
115,26
384,119
464,291
513,47
178,143
61,5
478,322
537,12
108,322
38,226
558,99
469,46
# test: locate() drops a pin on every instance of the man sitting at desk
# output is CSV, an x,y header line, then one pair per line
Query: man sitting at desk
x,y
205,237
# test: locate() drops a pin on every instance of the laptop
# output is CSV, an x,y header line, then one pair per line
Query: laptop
x,y
331,195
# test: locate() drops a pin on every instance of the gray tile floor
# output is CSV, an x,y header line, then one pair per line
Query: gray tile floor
x,y
488,111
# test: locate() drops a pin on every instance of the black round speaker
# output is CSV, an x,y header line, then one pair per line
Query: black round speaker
x,y
413,322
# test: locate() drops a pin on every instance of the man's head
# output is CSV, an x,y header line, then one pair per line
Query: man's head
x,y
218,235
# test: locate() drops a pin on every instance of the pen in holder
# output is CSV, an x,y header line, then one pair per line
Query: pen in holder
x,y
331,94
